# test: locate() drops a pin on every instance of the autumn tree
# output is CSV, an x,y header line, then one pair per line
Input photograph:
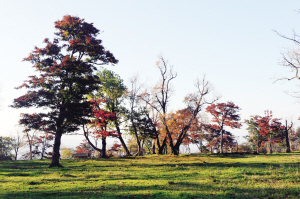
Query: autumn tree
x,y
99,126
112,91
84,147
224,114
66,69
108,110
270,128
159,99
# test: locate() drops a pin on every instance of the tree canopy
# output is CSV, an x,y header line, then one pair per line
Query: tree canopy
x,y
66,68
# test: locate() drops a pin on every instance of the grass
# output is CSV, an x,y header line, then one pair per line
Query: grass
x,y
185,176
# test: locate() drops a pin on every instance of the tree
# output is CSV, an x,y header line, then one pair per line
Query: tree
x,y
30,135
291,58
133,94
254,136
224,114
99,126
17,143
66,153
286,134
159,99
5,148
44,142
108,98
66,69
270,129
112,91
84,147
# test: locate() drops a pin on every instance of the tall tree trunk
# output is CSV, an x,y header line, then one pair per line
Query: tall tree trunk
x,y
288,148
56,147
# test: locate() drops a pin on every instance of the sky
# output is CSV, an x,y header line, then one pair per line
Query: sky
x,y
232,42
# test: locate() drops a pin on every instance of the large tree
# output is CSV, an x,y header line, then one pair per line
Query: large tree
x,y
66,69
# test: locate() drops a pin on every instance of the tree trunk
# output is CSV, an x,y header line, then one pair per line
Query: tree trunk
x,y
103,153
161,148
153,146
56,147
136,134
270,146
121,139
175,150
221,142
94,147
288,148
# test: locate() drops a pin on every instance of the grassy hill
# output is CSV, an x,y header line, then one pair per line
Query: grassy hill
x,y
185,176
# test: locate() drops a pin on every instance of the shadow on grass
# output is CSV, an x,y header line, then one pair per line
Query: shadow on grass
x,y
175,190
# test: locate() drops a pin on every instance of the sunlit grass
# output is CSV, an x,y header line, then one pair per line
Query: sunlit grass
x,y
186,176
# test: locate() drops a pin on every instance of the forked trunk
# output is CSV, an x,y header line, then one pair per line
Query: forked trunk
x,y
161,148
56,147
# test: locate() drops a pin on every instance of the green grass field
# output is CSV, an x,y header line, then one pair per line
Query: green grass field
x,y
186,176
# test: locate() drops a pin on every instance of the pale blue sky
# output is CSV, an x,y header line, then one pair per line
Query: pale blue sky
x,y
232,42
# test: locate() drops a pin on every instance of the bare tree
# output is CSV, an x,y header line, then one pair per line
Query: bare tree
x,y
159,99
132,95
291,58
30,135
17,143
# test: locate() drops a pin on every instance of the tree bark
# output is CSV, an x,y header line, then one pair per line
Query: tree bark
x,y
94,147
161,148
288,147
221,142
56,147
136,134
103,153
121,139
153,146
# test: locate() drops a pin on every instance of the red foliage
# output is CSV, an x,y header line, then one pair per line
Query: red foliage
x,y
224,114
270,128
101,120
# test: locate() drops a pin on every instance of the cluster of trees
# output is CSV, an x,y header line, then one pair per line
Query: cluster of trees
x,y
36,146
74,94
267,133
